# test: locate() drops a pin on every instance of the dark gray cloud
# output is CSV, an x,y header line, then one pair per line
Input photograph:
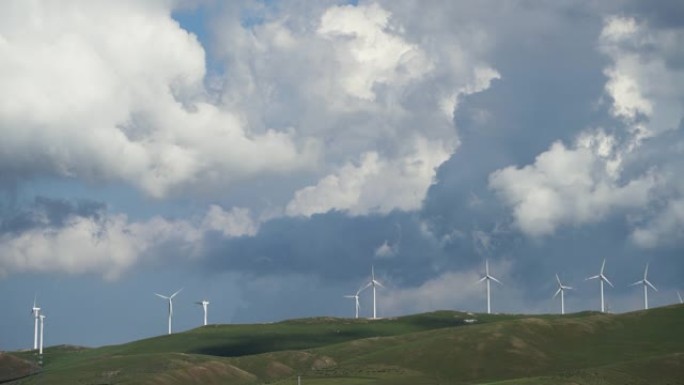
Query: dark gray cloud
x,y
664,14
48,212
332,246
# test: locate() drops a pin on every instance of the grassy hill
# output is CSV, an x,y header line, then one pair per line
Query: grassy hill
x,y
645,347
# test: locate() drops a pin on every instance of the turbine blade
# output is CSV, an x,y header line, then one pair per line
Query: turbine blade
x,y
603,266
568,288
379,284
680,298
495,280
646,272
486,267
349,296
482,279
650,284
557,292
558,279
607,281
174,294
636,283
594,277
161,296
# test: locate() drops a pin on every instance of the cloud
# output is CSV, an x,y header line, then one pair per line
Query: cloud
x,y
80,245
375,185
450,290
384,250
114,92
84,238
644,76
233,223
596,176
378,98
569,186
370,50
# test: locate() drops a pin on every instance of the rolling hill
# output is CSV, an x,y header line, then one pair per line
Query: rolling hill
x,y
645,347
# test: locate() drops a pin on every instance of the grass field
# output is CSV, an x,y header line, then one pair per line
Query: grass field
x,y
645,347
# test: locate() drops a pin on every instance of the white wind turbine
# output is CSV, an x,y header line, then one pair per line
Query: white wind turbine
x,y
36,316
204,304
646,284
680,297
356,299
487,277
373,282
170,299
561,290
42,324
602,278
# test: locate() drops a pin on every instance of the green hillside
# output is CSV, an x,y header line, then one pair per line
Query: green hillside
x,y
645,347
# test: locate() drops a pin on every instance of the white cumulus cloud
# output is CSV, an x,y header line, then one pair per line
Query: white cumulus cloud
x,y
374,184
569,186
113,91
109,244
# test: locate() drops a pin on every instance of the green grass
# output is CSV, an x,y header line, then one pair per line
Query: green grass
x,y
433,348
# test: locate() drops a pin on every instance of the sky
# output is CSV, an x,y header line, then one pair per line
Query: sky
x,y
263,155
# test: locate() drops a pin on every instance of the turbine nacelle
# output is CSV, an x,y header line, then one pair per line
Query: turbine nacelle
x,y
372,283
561,287
646,284
35,310
486,278
602,278
170,299
204,303
357,304
645,280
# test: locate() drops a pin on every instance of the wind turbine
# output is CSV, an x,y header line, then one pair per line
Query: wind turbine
x,y
646,284
356,298
42,323
561,290
680,297
36,316
170,299
602,278
204,304
488,278
373,282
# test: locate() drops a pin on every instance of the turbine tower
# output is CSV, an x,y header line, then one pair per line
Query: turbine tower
x,y
356,298
373,282
36,316
561,290
204,304
170,299
42,323
646,284
602,278
487,277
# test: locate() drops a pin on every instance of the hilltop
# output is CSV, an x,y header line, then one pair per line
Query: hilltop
x,y
645,347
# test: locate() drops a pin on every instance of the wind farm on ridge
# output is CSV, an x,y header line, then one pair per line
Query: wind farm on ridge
x,y
373,283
